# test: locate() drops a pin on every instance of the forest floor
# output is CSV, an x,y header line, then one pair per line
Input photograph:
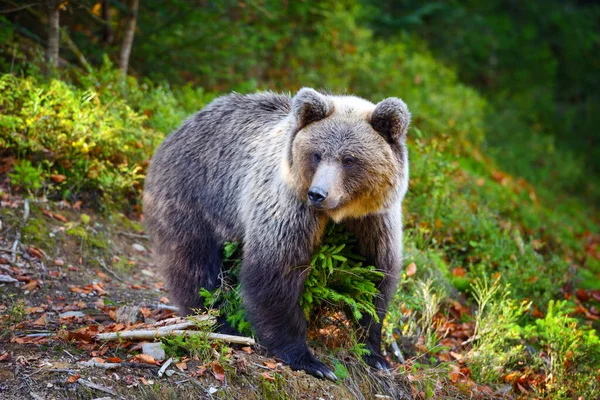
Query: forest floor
x,y
66,272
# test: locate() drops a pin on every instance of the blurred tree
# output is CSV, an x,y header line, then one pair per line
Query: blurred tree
x,y
127,44
53,9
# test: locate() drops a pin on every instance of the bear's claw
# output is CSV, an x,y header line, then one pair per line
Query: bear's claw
x,y
317,369
378,362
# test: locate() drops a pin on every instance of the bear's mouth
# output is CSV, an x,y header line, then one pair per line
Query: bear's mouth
x,y
327,205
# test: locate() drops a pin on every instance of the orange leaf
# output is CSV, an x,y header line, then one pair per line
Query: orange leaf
x,y
459,272
182,366
97,360
411,270
268,376
41,321
58,178
218,371
59,217
270,364
37,253
73,378
31,285
247,349
114,360
144,358
164,300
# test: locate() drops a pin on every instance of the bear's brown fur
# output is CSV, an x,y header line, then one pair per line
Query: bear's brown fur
x,y
270,171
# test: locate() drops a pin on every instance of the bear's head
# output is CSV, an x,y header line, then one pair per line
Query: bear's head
x,y
347,156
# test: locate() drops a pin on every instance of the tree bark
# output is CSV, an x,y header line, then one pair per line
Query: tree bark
x,y
53,33
128,36
107,34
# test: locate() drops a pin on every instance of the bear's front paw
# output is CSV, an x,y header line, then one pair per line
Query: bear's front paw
x,y
315,368
377,361
299,358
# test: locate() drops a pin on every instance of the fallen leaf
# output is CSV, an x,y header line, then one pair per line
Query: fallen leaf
x,y
98,360
114,360
59,262
218,371
31,285
58,178
459,272
182,366
144,358
34,310
247,349
411,270
164,300
4,357
268,376
73,378
199,372
41,321
36,252
270,364
60,217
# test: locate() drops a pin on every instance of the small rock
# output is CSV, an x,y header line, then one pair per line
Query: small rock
x,y
155,350
169,372
138,247
129,315
68,314
147,273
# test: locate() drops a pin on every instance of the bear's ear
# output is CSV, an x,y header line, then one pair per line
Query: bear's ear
x,y
308,106
391,119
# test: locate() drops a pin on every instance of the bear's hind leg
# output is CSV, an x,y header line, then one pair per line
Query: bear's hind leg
x,y
189,265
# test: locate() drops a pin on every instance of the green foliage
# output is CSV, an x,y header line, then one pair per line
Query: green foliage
x,y
192,345
571,351
99,136
498,345
14,314
337,278
27,176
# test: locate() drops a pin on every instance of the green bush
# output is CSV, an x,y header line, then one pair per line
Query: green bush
x,y
93,140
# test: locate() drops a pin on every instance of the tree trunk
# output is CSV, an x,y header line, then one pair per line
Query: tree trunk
x,y
53,33
128,36
107,34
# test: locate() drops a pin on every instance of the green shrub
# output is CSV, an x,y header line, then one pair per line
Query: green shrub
x,y
571,352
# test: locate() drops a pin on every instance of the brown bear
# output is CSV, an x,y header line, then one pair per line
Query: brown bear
x,y
270,171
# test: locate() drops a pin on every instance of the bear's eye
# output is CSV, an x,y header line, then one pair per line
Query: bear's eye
x,y
348,160
316,157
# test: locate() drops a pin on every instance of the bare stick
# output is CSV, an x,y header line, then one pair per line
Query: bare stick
x,y
162,369
133,235
110,271
101,388
150,334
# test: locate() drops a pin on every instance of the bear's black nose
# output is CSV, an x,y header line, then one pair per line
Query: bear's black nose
x,y
316,195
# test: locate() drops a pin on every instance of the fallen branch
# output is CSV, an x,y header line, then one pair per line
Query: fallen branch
x,y
95,386
110,271
149,334
166,307
7,279
162,369
133,235
107,366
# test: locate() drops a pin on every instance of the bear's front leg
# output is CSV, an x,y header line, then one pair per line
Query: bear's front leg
x,y
379,240
276,262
